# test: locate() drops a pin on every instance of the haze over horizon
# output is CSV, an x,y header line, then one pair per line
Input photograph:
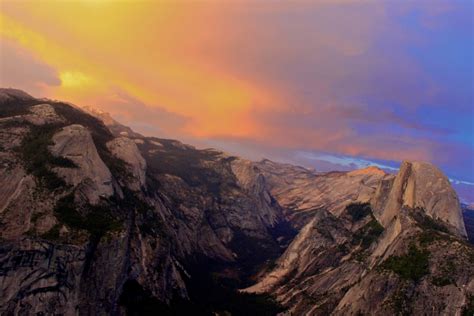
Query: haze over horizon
x,y
329,84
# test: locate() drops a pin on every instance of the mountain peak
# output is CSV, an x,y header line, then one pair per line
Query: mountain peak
x,y
371,170
421,185
10,93
154,221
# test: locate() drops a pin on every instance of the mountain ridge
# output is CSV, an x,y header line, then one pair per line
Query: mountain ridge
x,y
98,219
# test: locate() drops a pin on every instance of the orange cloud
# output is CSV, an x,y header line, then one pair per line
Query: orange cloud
x,y
100,45
339,76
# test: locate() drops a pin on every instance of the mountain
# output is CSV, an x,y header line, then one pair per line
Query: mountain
x,y
468,214
97,219
395,248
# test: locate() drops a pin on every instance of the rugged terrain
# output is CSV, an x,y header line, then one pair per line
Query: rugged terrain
x,y
97,219
468,214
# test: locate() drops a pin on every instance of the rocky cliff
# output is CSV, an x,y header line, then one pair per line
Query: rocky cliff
x,y
468,214
399,250
98,220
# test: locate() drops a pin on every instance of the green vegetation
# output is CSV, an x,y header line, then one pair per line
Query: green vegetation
x,y
35,217
447,273
62,162
469,308
16,107
148,221
253,252
442,281
361,256
412,266
343,248
283,232
65,211
426,222
359,210
427,237
469,223
37,158
401,301
97,222
52,234
34,148
99,132
188,164
219,295
215,300
212,290
432,230
369,233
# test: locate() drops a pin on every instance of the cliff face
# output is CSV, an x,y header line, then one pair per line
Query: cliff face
x,y
468,214
304,192
400,249
94,221
97,219
89,174
420,185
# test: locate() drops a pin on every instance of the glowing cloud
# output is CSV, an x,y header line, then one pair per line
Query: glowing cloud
x,y
74,79
361,78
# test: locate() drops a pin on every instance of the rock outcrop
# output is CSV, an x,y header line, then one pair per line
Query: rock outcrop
x,y
420,185
43,114
303,192
31,270
99,220
90,174
125,149
252,180
400,220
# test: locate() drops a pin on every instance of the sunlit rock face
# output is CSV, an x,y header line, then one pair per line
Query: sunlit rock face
x,y
420,185
99,220
342,262
303,192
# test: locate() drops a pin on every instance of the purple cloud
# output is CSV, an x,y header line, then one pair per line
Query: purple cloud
x,y
20,69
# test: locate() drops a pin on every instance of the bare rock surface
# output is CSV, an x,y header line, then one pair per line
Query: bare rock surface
x,y
36,272
74,142
43,114
420,185
304,192
338,262
100,220
252,179
125,149
15,179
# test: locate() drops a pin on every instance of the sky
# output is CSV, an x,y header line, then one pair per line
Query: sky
x,y
337,84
